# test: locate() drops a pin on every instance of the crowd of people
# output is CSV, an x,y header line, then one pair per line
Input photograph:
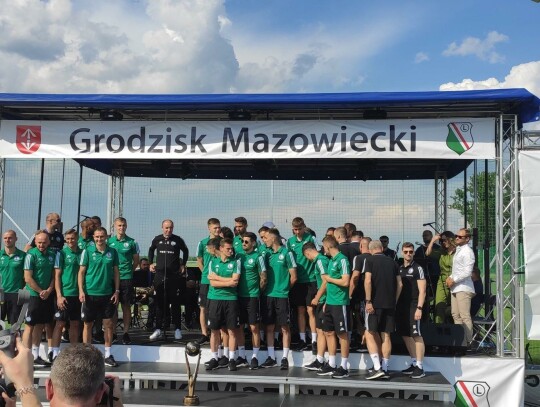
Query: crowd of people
x,y
350,288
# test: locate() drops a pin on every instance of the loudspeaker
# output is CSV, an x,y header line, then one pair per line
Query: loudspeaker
x,y
444,335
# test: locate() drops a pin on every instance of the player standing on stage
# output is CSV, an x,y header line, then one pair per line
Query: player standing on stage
x,y
410,310
336,309
382,284
252,280
128,259
68,305
38,274
240,227
52,228
169,270
275,306
86,238
223,308
203,259
99,289
12,274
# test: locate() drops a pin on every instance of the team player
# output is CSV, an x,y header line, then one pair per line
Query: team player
x,y
12,274
86,238
410,310
128,259
99,289
275,306
68,305
240,227
38,274
382,284
223,309
336,310
203,260
252,280
306,286
52,228
321,265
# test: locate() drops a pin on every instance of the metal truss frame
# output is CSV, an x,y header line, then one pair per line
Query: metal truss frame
x,y
441,205
2,189
116,197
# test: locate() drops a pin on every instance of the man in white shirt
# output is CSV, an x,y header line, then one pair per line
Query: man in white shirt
x,y
461,284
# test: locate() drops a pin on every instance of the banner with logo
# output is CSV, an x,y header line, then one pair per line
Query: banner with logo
x,y
453,138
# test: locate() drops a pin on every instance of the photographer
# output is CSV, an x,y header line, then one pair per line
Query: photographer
x,y
77,378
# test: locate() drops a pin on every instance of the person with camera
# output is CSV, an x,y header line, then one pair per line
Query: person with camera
x,y
12,274
99,289
77,378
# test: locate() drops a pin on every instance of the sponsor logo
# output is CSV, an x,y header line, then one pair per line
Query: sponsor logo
x,y
410,271
126,244
469,394
28,139
251,261
281,256
230,266
16,258
459,138
109,255
173,243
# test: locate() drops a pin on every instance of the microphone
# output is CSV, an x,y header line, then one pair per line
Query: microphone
x,y
428,224
85,217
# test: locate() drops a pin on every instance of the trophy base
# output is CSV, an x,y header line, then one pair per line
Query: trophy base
x,y
191,401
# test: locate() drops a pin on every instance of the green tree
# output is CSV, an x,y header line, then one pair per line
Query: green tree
x,y
458,203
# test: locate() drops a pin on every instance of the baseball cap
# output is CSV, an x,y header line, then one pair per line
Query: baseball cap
x,y
269,224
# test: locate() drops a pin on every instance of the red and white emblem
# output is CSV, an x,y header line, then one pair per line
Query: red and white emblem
x,y
28,139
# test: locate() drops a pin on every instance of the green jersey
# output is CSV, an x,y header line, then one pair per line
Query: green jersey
x,y
252,265
12,270
99,278
126,249
226,269
279,263
202,251
321,265
237,244
42,267
305,269
84,243
337,267
68,263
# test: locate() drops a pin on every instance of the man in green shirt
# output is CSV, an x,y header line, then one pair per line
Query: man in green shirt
x,y
68,306
240,227
38,274
203,259
12,274
128,259
336,310
275,307
318,337
306,287
252,280
99,289
223,310
86,238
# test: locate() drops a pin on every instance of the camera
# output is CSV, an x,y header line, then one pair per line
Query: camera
x,y
107,398
9,389
7,336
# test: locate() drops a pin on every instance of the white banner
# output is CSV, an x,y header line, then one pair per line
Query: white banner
x,y
529,168
453,138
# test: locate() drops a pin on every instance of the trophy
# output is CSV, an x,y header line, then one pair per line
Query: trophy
x,y
192,349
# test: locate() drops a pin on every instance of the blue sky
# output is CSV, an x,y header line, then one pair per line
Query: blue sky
x,y
217,46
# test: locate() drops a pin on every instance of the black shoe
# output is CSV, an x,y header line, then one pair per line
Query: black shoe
x,y
126,340
223,362
418,373
241,362
284,364
39,362
375,374
269,362
386,375
409,370
232,365
326,370
111,362
50,356
254,364
314,348
203,339
212,364
314,366
340,373
302,346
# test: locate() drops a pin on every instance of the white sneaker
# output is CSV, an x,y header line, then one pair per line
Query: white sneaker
x,y
178,334
155,335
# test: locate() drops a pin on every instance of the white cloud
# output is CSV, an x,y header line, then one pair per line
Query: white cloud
x,y
521,76
482,49
421,57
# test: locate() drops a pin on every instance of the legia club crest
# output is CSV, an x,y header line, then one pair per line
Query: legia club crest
x,y
459,137
471,394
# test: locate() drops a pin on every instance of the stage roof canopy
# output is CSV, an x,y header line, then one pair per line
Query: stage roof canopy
x,y
261,107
